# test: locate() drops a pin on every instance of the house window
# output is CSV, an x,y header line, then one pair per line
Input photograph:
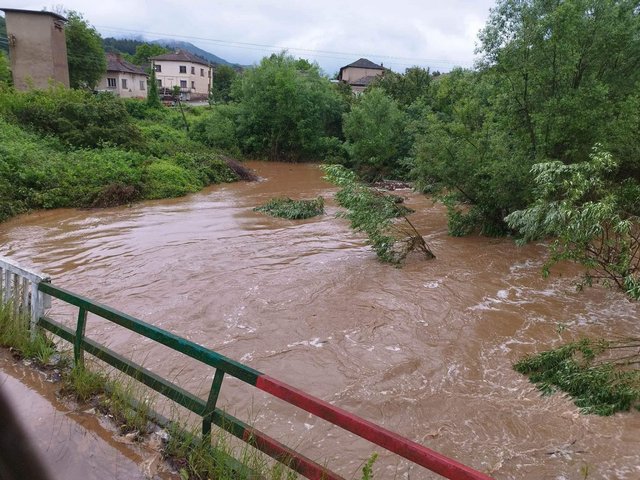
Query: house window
x,y
157,68
202,72
183,84
111,82
209,72
183,69
193,70
193,85
124,83
142,84
159,82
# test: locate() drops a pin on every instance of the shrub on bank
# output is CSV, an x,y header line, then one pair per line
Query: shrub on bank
x,y
164,179
216,129
38,172
78,118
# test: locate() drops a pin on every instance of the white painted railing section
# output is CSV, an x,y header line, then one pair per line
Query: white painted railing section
x,y
19,288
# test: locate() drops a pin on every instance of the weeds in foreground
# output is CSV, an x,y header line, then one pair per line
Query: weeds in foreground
x,y
131,410
285,207
215,456
83,384
14,334
367,469
601,376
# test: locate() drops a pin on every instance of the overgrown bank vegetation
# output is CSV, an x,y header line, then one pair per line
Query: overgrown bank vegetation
x,y
71,148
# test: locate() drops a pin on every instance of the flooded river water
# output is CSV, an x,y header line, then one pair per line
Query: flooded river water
x,y
425,350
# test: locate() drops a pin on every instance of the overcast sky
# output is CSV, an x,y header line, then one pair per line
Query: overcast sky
x,y
439,34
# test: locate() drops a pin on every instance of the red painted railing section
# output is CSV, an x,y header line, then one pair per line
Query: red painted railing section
x,y
380,436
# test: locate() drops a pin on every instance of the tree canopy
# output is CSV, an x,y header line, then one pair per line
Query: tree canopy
x,y
85,54
5,71
223,78
554,79
375,136
146,51
286,109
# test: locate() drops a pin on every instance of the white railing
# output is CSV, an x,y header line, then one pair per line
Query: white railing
x,y
19,288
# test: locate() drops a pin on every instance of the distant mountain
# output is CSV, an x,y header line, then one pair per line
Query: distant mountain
x,y
129,45
122,45
190,47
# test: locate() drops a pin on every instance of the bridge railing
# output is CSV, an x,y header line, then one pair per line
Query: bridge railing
x,y
208,410
19,289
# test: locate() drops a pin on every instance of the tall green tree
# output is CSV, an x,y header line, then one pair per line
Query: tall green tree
x,y
285,113
153,99
555,78
5,71
85,54
146,51
566,70
375,136
405,88
223,78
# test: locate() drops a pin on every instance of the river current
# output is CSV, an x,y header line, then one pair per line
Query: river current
x,y
425,350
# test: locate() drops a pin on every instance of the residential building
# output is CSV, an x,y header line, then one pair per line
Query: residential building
x,y
37,47
185,70
124,79
360,74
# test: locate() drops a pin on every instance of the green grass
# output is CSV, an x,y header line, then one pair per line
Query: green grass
x,y
284,207
14,334
600,375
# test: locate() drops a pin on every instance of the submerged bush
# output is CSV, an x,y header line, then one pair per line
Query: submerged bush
x,y
588,371
208,167
292,209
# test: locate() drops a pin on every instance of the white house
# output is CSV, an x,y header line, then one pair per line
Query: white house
x,y
185,70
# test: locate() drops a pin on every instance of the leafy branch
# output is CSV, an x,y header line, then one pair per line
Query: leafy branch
x,y
601,375
391,234
585,209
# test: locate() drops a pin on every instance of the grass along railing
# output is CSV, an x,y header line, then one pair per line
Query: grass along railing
x,y
208,410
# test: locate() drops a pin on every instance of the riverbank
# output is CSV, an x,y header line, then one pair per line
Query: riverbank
x,y
67,148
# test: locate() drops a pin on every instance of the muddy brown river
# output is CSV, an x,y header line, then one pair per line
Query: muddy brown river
x,y
425,350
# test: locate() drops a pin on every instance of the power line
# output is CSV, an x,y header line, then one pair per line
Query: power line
x,y
408,61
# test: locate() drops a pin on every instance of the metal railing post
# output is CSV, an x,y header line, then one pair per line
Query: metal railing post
x,y
78,352
207,418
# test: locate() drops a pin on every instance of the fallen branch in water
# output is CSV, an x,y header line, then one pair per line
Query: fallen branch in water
x,y
379,215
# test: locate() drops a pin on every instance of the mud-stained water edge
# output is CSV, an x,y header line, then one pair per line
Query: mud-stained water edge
x,y
425,350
